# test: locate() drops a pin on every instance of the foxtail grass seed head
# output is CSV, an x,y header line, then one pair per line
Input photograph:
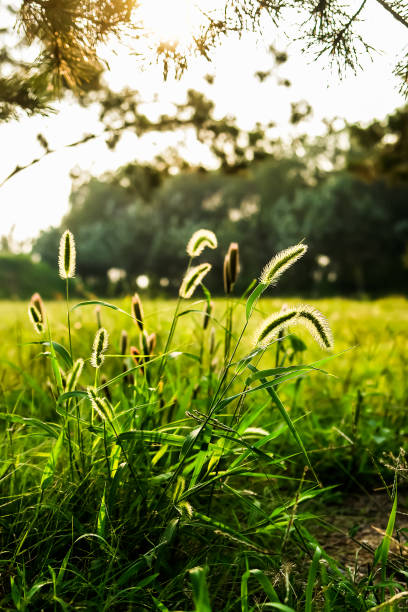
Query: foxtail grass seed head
x,y
74,375
67,255
123,342
233,255
152,341
305,315
227,275
36,299
199,240
271,327
192,279
135,354
35,318
137,311
99,347
207,313
98,403
317,324
281,262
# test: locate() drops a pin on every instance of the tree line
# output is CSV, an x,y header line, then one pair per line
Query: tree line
x,y
139,218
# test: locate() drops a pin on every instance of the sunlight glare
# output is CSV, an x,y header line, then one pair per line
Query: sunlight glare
x,y
174,21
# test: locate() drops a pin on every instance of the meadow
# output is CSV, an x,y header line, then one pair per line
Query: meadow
x,y
178,485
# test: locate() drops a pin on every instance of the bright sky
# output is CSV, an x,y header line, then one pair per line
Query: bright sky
x,y
38,197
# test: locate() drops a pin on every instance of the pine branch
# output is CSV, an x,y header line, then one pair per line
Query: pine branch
x,y
392,10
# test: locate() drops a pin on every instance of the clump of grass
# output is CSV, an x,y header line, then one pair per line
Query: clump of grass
x,y
178,480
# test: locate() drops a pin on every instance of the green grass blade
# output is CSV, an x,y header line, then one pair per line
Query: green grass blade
x,y
381,554
311,579
253,298
49,470
275,397
201,597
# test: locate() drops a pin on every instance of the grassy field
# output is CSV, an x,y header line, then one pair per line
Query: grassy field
x,y
183,489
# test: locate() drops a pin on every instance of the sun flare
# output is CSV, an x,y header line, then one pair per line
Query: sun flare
x,y
175,21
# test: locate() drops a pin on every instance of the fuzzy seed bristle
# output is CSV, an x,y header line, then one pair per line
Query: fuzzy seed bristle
x,y
36,299
152,340
271,327
281,262
233,254
123,342
227,275
199,240
67,255
305,315
192,279
35,318
74,375
317,324
98,403
137,311
99,347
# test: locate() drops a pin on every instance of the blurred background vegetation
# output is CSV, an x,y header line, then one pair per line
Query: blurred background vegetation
x,y
345,193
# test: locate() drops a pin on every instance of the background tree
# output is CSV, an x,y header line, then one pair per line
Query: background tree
x,y
140,219
64,39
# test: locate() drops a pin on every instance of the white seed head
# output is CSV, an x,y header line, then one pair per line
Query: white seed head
x,y
36,299
192,279
98,403
305,315
35,318
67,255
199,240
100,345
74,375
281,262
317,324
137,311
271,327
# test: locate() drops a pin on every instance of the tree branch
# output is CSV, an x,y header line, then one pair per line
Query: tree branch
x,y
394,13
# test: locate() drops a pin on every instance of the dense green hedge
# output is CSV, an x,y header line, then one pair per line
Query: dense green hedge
x,y
20,277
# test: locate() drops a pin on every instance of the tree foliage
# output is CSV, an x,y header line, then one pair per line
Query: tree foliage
x,y
64,39
139,219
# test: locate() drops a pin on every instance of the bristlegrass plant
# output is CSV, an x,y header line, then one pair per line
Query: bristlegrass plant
x,y
66,264
178,479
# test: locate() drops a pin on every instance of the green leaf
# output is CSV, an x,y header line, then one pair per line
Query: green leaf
x,y
51,430
253,298
159,605
311,580
278,372
155,437
190,441
201,597
61,350
263,581
101,303
381,554
51,464
70,394
271,391
101,521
